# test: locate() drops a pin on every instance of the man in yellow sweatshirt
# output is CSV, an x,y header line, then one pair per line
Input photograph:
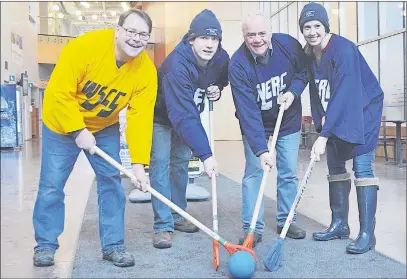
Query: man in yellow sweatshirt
x,y
97,75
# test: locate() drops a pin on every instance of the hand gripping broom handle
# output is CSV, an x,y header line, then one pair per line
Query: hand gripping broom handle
x,y
297,198
163,199
267,170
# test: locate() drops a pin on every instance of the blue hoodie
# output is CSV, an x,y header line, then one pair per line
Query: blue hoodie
x,y
182,83
344,89
255,89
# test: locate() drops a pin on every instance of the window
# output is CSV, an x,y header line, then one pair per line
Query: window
x,y
282,4
367,20
370,52
391,16
347,20
293,20
283,21
392,75
275,24
300,36
333,15
274,7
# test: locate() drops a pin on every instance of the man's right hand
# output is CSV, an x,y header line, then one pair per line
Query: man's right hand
x,y
210,166
266,160
85,140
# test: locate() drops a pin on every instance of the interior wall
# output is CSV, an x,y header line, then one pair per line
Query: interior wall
x,y
20,18
230,15
173,20
15,19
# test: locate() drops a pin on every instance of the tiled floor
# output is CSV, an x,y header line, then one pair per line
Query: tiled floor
x,y
19,183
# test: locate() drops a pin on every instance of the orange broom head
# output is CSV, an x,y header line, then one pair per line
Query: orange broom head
x,y
248,242
233,248
215,254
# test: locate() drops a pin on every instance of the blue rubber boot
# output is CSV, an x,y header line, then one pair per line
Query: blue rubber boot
x,y
339,189
367,203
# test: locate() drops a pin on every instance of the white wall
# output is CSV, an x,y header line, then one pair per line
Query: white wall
x,y
230,15
15,18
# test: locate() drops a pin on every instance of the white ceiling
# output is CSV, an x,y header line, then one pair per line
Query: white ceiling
x,y
88,16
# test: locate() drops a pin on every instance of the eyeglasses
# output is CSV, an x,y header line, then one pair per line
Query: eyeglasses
x,y
133,33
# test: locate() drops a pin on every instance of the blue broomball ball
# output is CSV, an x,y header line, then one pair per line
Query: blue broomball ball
x,y
242,265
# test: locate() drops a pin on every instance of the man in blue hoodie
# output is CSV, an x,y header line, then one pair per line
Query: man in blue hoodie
x,y
266,68
195,69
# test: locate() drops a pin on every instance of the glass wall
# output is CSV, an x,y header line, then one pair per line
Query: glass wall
x,y
377,28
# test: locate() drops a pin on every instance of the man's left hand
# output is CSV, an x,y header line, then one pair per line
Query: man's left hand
x,y
213,93
287,98
142,182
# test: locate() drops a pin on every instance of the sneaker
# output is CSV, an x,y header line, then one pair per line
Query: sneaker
x,y
43,258
162,240
256,239
120,258
293,232
185,226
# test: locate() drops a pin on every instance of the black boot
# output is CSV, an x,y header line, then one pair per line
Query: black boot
x,y
339,188
367,203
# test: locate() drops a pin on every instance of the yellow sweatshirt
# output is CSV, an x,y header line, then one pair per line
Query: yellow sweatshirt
x,y
86,89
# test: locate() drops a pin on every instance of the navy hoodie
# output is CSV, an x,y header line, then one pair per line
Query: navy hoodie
x,y
182,83
344,89
255,89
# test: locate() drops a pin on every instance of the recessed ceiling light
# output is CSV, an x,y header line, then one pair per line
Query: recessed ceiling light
x,y
55,8
60,15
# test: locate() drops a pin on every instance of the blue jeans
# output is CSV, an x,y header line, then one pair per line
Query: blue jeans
x,y
338,152
287,154
59,154
168,175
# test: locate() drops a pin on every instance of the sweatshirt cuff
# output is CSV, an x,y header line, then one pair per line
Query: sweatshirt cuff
x,y
204,157
296,95
258,153
74,134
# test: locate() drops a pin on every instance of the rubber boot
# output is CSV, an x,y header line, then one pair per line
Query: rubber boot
x,y
367,203
339,189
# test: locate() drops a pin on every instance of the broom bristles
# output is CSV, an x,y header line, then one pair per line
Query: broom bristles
x,y
273,258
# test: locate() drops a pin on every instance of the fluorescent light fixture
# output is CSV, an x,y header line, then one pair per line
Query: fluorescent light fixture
x,y
55,8
85,4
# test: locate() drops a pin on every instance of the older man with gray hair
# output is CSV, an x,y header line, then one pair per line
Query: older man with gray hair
x,y
266,70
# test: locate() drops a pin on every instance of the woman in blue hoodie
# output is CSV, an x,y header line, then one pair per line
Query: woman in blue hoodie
x,y
346,105
196,68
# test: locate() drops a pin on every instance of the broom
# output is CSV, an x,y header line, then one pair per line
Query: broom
x,y
248,242
215,221
274,255
230,247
